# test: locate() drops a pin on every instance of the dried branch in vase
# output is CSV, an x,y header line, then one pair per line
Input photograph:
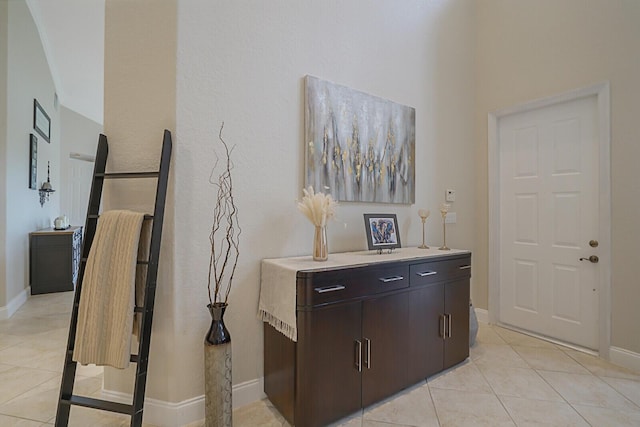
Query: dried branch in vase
x,y
225,230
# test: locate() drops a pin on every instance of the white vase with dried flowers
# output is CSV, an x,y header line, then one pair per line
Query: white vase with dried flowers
x,y
318,208
224,240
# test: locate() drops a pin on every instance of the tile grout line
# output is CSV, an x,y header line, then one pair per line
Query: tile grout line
x,y
565,351
561,396
553,388
496,394
600,378
435,408
546,382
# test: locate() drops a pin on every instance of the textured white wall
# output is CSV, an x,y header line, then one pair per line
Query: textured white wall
x,y
530,50
243,63
139,93
28,77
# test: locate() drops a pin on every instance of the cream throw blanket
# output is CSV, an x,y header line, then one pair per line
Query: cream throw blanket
x,y
110,287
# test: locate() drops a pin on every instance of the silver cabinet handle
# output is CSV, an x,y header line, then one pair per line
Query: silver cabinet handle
x,y
390,279
367,360
449,325
329,289
443,322
427,273
464,267
359,355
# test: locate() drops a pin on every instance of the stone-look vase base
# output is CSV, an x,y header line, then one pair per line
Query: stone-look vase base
x,y
217,387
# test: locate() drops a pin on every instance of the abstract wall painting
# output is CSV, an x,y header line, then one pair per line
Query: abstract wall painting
x,y
359,147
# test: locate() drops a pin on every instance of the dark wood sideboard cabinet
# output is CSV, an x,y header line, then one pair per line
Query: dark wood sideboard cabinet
x,y
366,332
54,259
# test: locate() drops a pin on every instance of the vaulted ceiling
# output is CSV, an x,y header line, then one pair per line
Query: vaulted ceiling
x,y
72,34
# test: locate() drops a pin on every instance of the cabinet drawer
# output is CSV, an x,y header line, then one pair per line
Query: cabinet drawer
x,y
436,271
316,288
46,241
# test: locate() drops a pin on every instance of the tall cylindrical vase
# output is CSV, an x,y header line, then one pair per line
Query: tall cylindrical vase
x,y
320,247
217,374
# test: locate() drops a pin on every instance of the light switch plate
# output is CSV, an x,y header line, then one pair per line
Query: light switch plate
x,y
450,195
451,218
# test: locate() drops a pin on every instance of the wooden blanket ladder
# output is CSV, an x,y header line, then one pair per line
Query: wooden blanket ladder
x,y
67,398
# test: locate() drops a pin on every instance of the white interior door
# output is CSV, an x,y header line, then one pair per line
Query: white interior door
x,y
548,214
79,187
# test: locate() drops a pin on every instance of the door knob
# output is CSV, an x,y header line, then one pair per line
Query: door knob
x,y
593,258
593,243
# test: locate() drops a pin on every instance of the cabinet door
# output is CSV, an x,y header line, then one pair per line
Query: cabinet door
x,y
456,344
50,264
426,325
279,371
384,349
328,380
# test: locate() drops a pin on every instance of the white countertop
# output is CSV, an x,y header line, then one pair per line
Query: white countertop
x,y
70,230
352,259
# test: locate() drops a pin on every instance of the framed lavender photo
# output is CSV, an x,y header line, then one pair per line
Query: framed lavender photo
x,y
33,162
382,231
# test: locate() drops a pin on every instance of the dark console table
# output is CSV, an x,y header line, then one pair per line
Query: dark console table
x,y
54,259
366,326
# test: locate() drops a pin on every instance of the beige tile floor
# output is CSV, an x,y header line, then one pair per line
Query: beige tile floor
x,y
510,379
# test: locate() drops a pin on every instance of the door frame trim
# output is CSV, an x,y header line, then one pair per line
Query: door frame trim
x,y
602,93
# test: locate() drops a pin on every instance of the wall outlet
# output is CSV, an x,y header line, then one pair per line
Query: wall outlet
x,y
450,195
451,218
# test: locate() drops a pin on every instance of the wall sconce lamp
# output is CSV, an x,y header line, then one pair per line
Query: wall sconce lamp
x,y
46,189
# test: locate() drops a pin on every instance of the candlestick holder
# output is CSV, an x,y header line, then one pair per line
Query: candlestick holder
x,y
444,209
423,214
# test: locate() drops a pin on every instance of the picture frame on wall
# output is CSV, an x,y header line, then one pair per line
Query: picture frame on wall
x,y
359,147
33,162
41,121
382,231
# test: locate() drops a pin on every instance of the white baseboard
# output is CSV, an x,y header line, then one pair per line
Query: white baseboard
x,y
248,392
482,315
161,413
169,414
625,358
13,306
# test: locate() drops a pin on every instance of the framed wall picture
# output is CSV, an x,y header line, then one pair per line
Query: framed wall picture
x,y
41,121
358,147
33,162
382,231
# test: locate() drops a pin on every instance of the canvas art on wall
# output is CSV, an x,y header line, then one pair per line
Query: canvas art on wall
x,y
359,147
